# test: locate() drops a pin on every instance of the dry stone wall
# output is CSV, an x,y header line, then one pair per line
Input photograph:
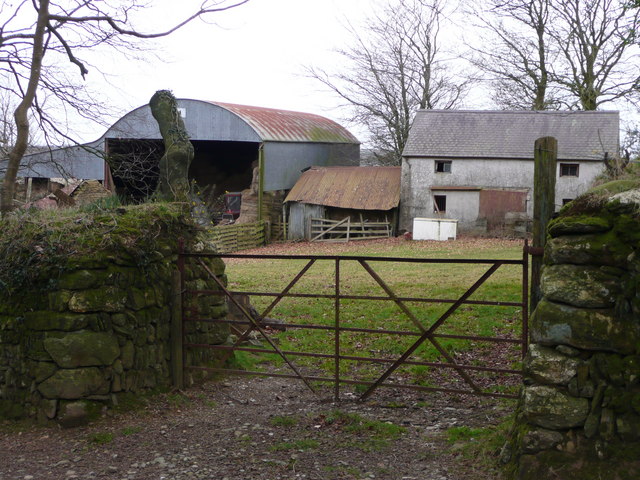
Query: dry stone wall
x,y
579,416
99,332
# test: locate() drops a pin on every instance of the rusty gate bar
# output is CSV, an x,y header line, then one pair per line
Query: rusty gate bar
x,y
357,359
257,323
357,382
428,335
363,330
336,387
366,297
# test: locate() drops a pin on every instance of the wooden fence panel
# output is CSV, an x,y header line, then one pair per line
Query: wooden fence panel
x,y
231,238
345,230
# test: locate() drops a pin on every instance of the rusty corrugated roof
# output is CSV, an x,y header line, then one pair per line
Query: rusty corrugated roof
x,y
361,188
287,126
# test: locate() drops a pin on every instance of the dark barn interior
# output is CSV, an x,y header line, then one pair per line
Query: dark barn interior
x,y
217,166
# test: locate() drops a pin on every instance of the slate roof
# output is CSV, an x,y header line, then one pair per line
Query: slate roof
x,y
511,134
360,188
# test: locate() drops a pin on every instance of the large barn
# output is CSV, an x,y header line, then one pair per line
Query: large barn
x,y
234,144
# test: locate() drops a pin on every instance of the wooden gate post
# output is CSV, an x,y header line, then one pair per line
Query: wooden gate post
x,y
544,195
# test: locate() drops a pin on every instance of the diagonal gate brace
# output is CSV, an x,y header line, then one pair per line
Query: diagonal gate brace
x,y
428,335
254,322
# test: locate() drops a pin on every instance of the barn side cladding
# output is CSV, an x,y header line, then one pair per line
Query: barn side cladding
x,y
579,415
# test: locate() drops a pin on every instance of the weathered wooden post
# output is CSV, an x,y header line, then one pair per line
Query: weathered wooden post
x,y
544,188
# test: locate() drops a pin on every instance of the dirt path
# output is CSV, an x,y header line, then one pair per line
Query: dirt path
x,y
259,428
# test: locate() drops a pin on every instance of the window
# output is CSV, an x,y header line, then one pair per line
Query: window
x,y
439,203
566,200
443,167
569,169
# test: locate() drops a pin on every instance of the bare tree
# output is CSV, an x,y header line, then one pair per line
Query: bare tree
x,y
395,66
514,52
598,43
561,53
38,37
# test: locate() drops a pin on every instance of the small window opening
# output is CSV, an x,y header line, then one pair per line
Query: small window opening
x,y
569,169
566,200
439,203
443,167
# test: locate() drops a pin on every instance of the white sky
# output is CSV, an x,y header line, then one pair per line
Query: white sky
x,y
254,56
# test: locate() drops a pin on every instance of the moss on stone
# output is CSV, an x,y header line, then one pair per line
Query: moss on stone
x,y
81,279
578,225
46,320
620,464
75,383
83,349
605,249
595,200
588,329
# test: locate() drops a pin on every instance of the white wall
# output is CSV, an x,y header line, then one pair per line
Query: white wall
x,y
419,175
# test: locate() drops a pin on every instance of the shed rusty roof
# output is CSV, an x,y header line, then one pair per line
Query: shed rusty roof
x,y
362,188
287,126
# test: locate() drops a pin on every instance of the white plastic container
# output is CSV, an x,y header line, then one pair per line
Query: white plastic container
x,y
434,229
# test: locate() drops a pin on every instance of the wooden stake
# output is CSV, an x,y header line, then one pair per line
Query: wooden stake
x,y
544,193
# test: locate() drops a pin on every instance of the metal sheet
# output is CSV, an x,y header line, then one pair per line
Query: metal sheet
x,y
494,204
362,188
287,126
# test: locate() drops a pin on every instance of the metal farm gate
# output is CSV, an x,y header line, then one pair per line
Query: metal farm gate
x,y
421,334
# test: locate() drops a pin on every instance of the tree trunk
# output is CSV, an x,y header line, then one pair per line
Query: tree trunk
x,y
22,111
173,184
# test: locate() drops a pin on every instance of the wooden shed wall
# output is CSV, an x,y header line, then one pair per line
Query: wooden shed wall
x,y
298,221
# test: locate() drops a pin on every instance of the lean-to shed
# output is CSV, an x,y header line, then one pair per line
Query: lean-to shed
x,y
234,145
365,194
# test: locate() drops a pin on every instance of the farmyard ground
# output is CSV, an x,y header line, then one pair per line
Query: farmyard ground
x,y
265,428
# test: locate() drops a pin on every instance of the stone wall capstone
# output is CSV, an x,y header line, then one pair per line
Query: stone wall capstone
x,y
579,414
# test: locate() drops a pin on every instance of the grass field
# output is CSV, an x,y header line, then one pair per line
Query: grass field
x,y
416,280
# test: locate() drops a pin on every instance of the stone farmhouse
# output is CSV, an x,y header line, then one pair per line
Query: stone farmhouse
x,y
477,166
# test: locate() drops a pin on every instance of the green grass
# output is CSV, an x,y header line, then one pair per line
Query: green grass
x,y
465,434
434,281
356,431
130,430
177,400
101,438
283,421
478,448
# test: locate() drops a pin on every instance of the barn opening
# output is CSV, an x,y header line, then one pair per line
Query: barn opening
x,y
218,167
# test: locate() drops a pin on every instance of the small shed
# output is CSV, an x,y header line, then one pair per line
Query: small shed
x,y
351,202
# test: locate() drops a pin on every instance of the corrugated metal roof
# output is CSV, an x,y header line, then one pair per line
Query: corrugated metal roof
x,y
361,188
287,126
511,134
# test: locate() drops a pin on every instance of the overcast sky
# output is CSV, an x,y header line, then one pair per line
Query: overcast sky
x,y
253,55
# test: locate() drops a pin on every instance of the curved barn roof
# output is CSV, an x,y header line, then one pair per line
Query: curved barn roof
x,y
287,126
219,121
